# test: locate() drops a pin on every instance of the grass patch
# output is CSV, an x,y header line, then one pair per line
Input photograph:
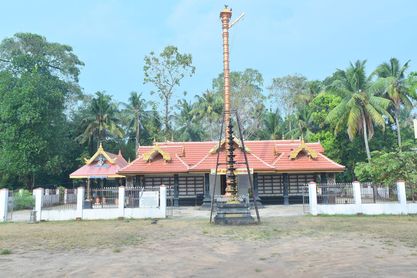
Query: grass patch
x,y
5,252
115,234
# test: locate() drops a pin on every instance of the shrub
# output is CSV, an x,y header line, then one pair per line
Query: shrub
x,y
23,200
5,252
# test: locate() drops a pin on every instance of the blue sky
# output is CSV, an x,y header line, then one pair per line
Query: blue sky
x,y
277,38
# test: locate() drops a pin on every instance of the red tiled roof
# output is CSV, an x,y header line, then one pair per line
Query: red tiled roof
x,y
263,156
107,170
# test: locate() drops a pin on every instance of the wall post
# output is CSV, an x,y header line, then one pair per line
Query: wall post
x,y
80,202
357,196
163,200
65,196
176,190
38,192
312,197
121,204
4,201
286,180
402,197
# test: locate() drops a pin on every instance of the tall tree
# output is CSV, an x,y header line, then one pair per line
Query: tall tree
x,y
272,127
133,113
187,128
208,110
37,78
246,97
303,125
165,71
292,93
392,74
360,108
101,121
152,125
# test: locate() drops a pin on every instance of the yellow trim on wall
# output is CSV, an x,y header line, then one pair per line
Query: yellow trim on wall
x,y
92,177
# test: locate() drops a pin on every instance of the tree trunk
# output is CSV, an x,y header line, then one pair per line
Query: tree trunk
x,y
211,130
365,138
166,119
137,134
33,181
397,123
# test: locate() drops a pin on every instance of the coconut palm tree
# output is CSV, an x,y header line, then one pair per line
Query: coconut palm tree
x,y
133,113
187,129
208,109
304,126
361,108
101,120
392,75
272,125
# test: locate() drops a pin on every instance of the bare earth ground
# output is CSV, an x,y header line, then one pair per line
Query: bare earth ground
x,y
296,246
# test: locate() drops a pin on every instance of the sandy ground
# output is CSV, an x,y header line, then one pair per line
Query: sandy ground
x,y
296,246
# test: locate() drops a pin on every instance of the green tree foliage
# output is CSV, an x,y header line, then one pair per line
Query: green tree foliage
x,y
397,89
37,78
246,98
389,167
208,110
101,122
165,71
360,108
293,93
188,128
272,126
47,125
23,199
152,124
133,114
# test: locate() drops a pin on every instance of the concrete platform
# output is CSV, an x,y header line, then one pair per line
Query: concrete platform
x,y
266,211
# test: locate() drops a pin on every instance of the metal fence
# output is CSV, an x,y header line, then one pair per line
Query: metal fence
x,y
10,206
107,197
170,200
306,199
132,196
334,193
20,204
411,193
60,199
376,193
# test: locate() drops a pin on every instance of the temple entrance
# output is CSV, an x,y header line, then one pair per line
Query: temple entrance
x,y
222,184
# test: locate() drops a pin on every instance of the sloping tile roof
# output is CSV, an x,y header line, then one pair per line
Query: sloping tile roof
x,y
106,170
263,156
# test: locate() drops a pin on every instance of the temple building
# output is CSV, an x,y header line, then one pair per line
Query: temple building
x,y
101,170
279,169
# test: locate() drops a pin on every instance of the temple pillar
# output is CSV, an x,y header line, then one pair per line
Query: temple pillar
x,y
176,190
88,189
331,178
255,189
207,199
323,178
129,181
286,183
243,184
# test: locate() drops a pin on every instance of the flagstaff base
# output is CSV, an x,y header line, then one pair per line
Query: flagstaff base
x,y
233,214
